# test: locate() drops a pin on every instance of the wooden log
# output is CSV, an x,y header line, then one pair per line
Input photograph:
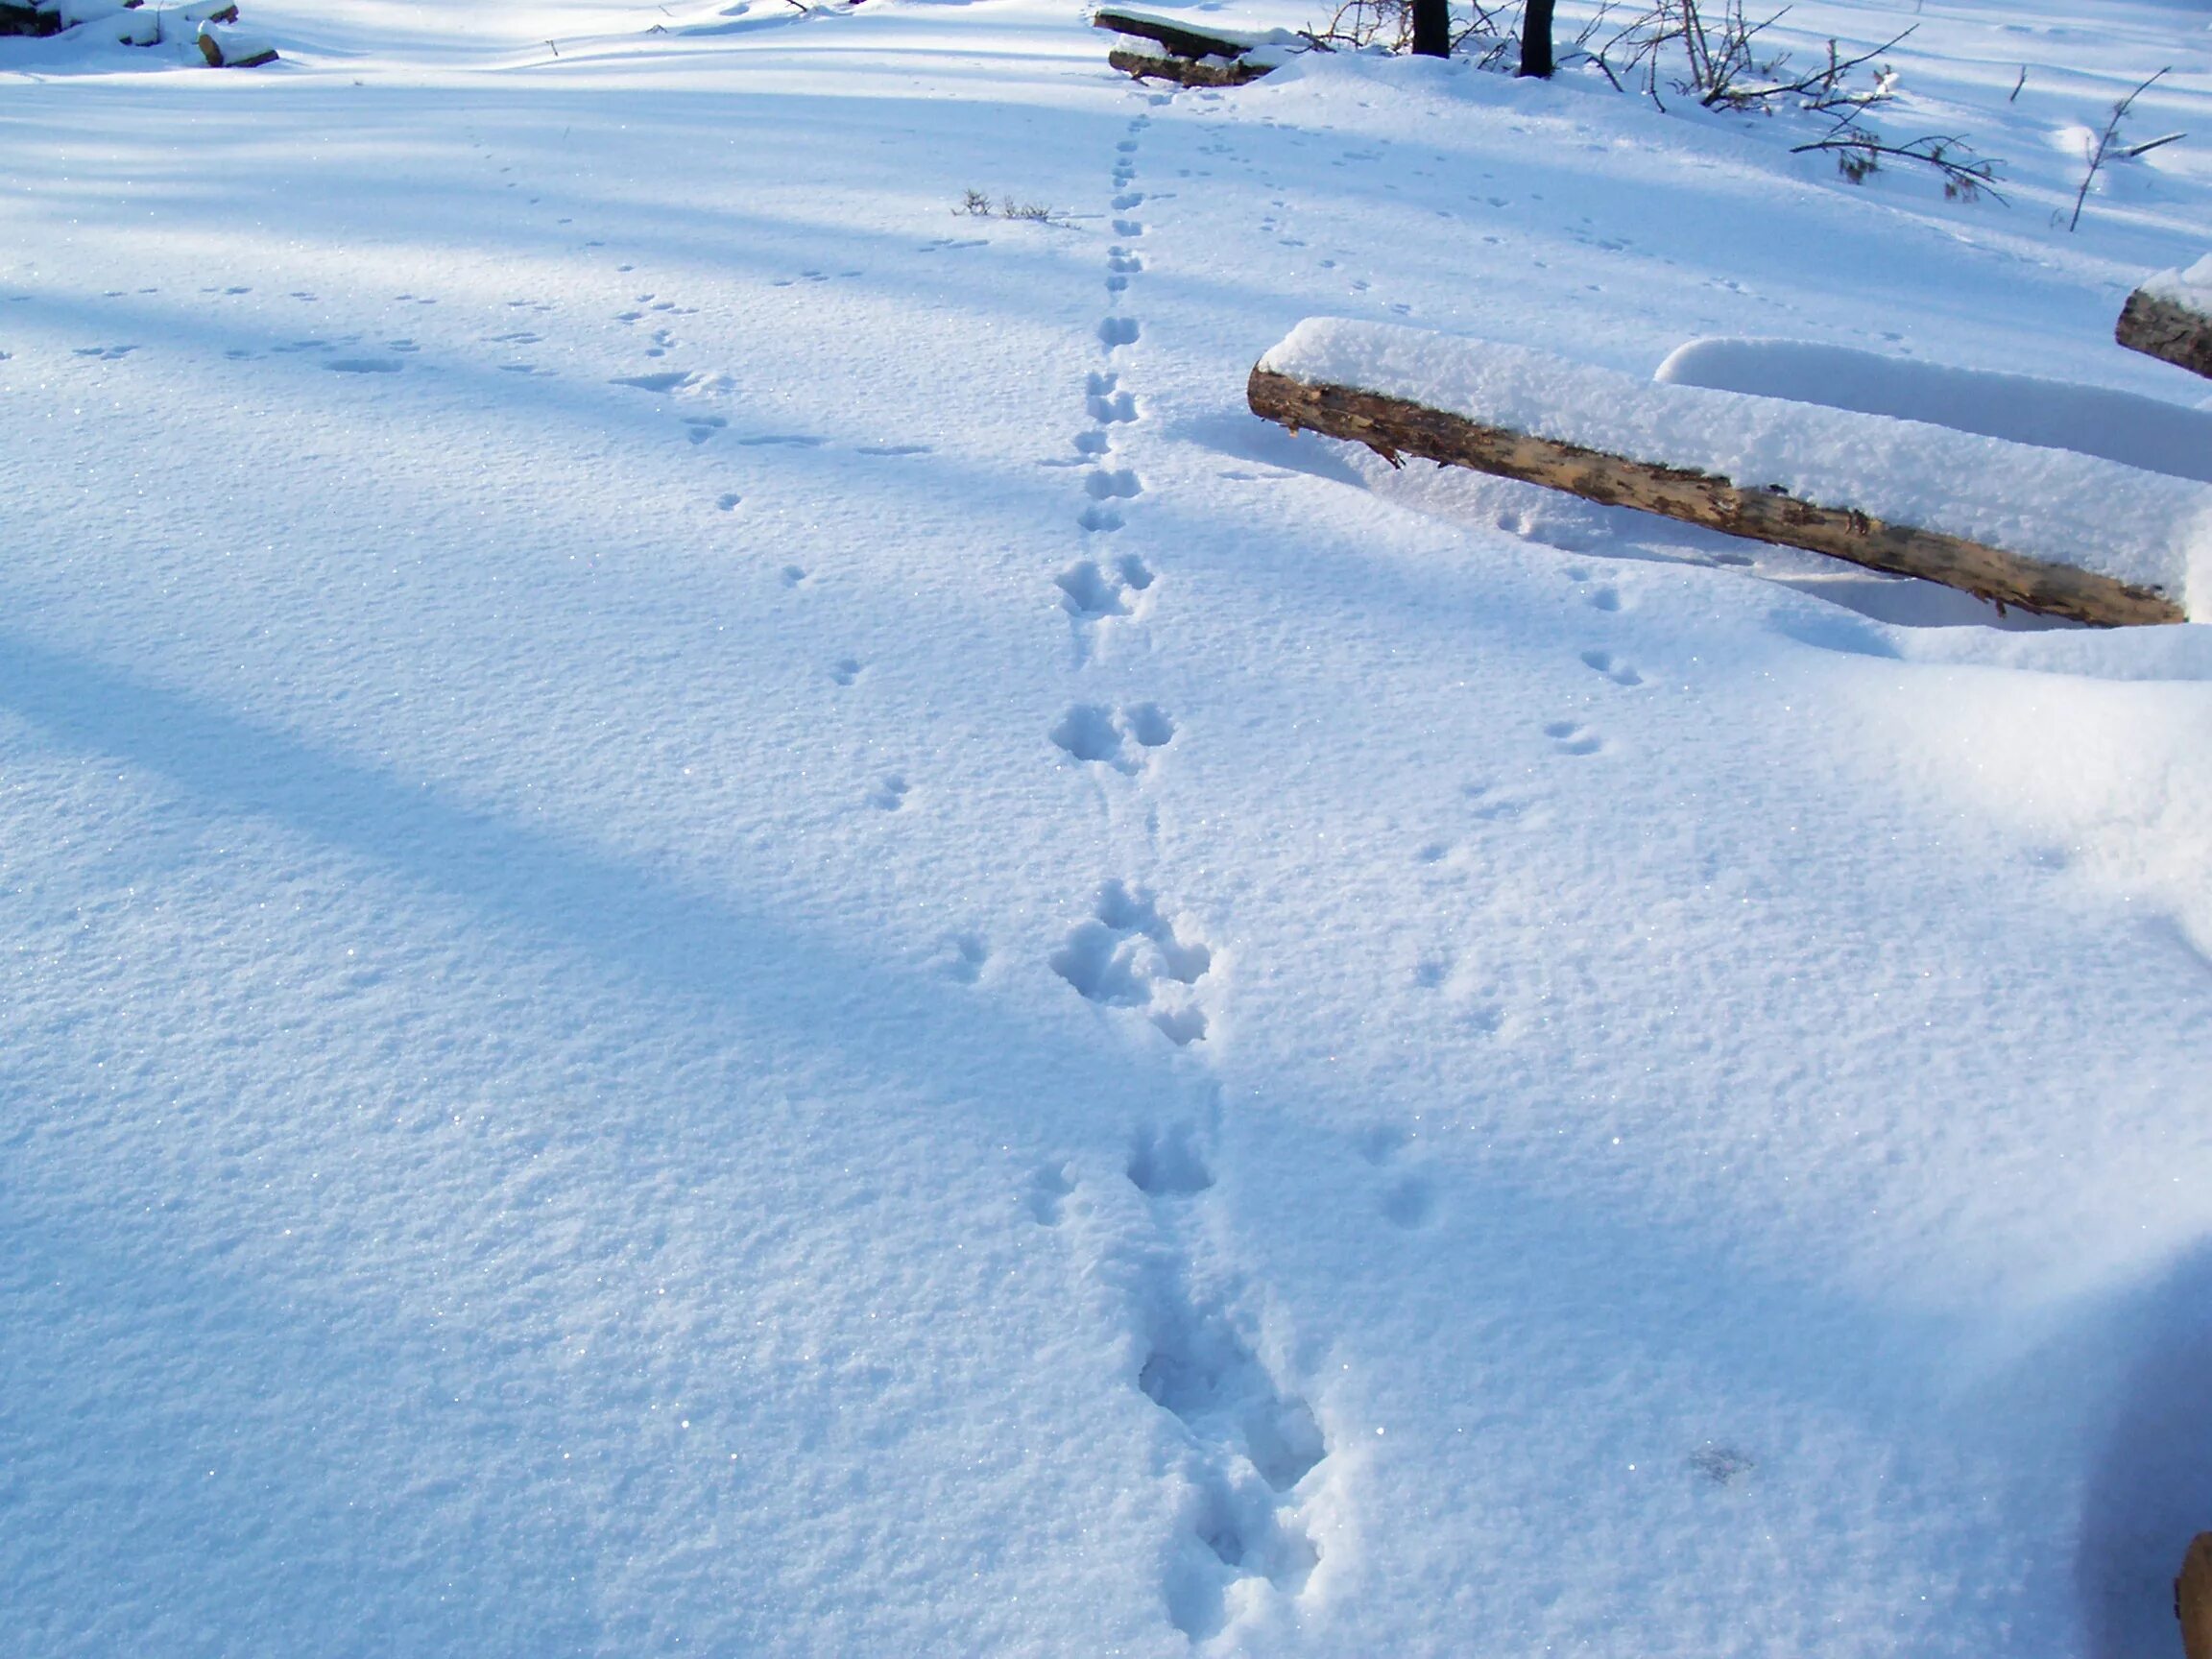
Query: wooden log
x,y
1179,41
225,50
1393,426
2193,1598
2160,326
1184,71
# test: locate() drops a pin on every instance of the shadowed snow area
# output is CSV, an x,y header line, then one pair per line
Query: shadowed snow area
x,y
732,925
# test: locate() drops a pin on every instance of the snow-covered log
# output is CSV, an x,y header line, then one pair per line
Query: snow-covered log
x,y
2044,529
1177,37
2170,317
1191,56
233,49
2193,1599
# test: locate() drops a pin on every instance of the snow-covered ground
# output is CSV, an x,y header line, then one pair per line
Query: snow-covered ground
x,y
734,927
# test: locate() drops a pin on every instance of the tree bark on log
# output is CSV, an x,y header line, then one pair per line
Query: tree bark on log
x,y
1183,71
1392,427
1181,42
2167,329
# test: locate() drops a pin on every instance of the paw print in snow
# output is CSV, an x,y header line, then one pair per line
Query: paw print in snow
x,y
1128,956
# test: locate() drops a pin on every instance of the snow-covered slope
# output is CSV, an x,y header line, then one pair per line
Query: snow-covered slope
x,y
734,927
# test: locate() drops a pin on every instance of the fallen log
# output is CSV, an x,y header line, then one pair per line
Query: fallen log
x,y
2193,1599
1179,39
1678,451
2170,318
1185,71
226,49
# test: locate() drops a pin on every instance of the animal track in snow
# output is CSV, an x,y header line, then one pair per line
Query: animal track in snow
x,y
701,428
1090,591
1108,405
1050,1190
847,670
1114,332
1409,1199
1602,599
667,380
890,794
364,365
1250,1440
1167,1164
1571,739
1128,956
727,502
963,958
104,354
1112,486
1090,732
1612,667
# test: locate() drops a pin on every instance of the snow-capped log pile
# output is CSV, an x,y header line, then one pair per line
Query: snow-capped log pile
x,y
2170,317
1170,49
2045,529
201,30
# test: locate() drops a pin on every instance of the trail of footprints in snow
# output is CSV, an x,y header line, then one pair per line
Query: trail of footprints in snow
x,y
1249,1441
1251,1444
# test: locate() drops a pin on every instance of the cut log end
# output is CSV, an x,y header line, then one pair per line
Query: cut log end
x,y
1393,426
2163,327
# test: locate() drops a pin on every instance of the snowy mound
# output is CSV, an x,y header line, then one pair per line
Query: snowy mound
x,y
2120,427
2138,527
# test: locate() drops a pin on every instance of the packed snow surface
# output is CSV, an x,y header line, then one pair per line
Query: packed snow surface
x,y
2059,506
734,927
2135,431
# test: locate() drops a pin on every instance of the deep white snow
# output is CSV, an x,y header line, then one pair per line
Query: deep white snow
x,y
2123,426
734,927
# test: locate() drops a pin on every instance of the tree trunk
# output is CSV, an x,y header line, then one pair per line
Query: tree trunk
x,y
1432,29
1536,38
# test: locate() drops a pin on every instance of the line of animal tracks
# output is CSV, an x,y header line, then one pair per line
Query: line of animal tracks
x,y
1248,1456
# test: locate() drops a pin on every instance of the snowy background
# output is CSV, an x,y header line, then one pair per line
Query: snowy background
x,y
732,925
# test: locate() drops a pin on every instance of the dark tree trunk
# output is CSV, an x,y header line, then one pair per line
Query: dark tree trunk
x,y
1536,38
1432,29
